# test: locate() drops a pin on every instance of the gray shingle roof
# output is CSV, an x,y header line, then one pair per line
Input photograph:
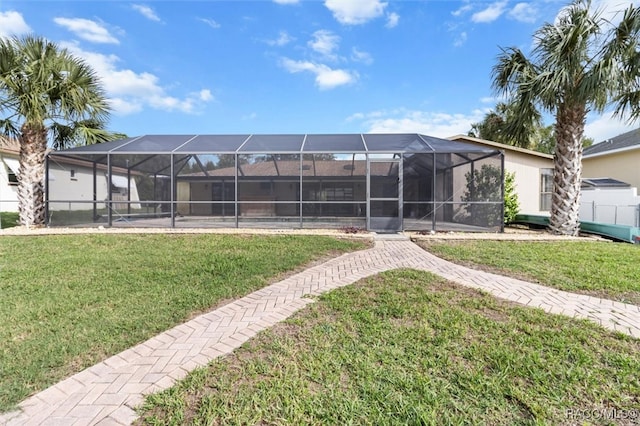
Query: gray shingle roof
x,y
626,140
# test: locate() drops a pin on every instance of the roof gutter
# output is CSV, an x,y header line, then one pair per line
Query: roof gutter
x,y
612,151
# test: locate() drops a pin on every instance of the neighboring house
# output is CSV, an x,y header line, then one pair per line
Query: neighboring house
x,y
608,200
533,174
9,150
617,158
613,160
70,182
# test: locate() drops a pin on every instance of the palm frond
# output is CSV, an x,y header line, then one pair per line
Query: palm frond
x,y
8,128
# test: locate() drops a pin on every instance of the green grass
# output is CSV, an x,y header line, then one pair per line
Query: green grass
x,y
407,347
601,269
70,301
8,219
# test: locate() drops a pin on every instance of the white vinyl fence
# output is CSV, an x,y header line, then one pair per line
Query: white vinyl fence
x,y
613,206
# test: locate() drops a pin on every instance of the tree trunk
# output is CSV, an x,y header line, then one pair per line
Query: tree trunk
x,y
565,201
33,148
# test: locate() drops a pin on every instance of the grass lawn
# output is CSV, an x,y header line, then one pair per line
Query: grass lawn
x,y
8,219
601,269
70,301
407,347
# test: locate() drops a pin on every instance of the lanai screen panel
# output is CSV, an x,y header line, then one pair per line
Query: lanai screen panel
x,y
212,144
334,143
273,144
334,189
269,189
468,191
418,191
396,143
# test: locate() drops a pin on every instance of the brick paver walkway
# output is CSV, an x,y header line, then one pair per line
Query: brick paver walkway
x,y
106,393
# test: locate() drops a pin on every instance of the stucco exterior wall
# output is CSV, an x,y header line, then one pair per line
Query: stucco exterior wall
x,y
8,191
65,192
624,166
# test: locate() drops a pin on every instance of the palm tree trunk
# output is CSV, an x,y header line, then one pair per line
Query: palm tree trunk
x,y
33,148
565,202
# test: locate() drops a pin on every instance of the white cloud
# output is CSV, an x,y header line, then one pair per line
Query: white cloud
x,y
87,29
605,127
147,12
489,100
130,92
355,12
360,56
392,20
461,39
12,23
210,22
524,12
326,77
491,13
611,9
283,39
325,43
205,95
402,120
462,10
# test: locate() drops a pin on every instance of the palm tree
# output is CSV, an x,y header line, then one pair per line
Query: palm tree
x,y
46,96
497,121
580,63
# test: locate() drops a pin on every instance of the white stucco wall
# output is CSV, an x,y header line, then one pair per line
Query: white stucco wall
x,y
8,191
65,192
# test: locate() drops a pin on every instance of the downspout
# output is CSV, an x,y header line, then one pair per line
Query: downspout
x,y
95,192
433,195
109,212
46,190
128,188
502,191
236,189
173,193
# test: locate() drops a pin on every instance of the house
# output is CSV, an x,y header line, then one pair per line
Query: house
x,y
611,176
617,158
533,174
71,185
8,175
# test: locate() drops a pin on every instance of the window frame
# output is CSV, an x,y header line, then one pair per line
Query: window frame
x,y
12,178
546,189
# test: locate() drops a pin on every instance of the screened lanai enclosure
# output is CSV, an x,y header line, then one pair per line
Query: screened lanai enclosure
x,y
379,182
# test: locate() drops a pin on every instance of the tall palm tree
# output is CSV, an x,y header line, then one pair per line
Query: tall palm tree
x,y
580,63
46,96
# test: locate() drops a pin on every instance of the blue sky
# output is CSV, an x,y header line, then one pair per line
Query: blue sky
x,y
294,66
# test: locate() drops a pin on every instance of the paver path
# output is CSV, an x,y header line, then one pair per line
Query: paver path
x,y
106,393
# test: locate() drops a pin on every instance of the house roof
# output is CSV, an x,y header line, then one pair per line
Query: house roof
x,y
606,182
9,144
500,146
624,142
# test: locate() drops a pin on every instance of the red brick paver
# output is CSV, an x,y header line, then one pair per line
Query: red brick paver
x,y
107,393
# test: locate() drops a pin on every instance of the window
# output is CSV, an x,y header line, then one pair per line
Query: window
x,y
13,179
546,188
72,174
